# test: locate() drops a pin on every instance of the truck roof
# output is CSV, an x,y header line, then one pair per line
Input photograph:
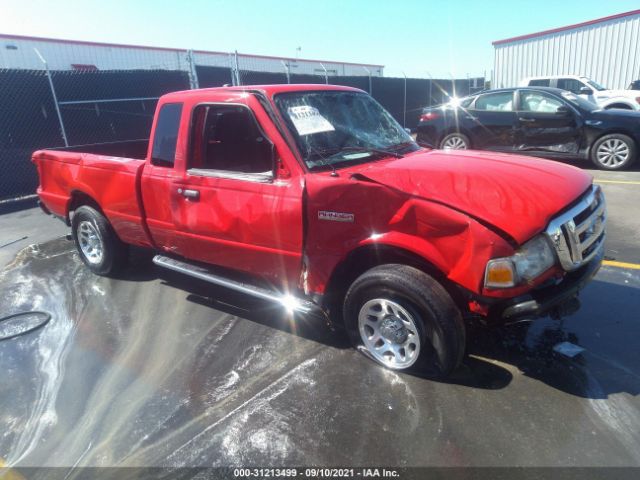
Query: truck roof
x,y
269,90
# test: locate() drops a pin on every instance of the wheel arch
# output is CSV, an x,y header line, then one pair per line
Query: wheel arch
x,y
78,199
365,257
614,131
618,104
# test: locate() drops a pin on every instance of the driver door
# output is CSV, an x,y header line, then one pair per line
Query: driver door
x,y
231,210
546,124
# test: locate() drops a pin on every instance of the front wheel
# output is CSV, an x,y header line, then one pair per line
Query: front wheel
x,y
401,317
98,245
613,152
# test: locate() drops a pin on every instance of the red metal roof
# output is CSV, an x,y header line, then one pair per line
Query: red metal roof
x,y
166,49
568,27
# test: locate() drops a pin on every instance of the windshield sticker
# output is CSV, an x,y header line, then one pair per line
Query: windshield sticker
x,y
308,120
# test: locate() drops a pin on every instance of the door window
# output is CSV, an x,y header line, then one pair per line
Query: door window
x,y
500,102
165,138
538,102
570,84
226,138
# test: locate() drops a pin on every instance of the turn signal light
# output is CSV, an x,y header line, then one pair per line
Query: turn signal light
x,y
500,273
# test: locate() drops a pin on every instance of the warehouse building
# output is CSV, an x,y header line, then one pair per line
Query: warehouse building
x,y
20,52
606,50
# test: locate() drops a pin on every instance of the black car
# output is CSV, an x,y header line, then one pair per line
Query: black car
x,y
540,121
635,85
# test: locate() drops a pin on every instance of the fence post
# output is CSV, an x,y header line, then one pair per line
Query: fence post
x,y
286,70
235,62
404,109
370,86
55,98
326,76
193,73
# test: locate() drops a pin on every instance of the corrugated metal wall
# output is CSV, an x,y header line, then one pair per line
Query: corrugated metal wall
x,y
607,52
19,53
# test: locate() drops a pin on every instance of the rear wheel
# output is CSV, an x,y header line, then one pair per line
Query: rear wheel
x,y
403,318
455,141
613,152
98,245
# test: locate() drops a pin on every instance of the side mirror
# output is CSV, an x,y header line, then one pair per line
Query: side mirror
x,y
279,168
585,91
563,111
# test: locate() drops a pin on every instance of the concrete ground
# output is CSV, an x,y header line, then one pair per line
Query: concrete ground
x,y
159,370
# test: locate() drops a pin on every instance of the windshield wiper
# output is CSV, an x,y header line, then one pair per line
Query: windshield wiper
x,y
327,154
379,151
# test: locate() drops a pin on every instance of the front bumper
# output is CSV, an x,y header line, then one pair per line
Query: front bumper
x,y
554,300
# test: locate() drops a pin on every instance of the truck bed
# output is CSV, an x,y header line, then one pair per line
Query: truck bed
x,y
126,149
104,174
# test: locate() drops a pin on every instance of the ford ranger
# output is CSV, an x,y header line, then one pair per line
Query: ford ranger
x,y
316,198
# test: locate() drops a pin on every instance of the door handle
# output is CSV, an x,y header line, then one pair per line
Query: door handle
x,y
529,120
189,193
470,117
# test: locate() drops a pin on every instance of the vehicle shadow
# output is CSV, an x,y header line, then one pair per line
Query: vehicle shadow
x,y
607,366
494,355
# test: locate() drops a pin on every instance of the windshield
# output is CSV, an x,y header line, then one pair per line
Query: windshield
x,y
579,101
593,84
338,128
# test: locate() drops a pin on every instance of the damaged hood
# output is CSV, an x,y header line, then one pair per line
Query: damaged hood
x,y
516,194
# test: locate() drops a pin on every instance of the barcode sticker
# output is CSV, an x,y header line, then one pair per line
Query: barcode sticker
x,y
308,120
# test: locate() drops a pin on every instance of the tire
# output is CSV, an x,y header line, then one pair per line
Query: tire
x,y
404,319
98,245
455,141
614,152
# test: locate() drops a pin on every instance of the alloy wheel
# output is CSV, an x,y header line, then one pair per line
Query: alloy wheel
x,y
613,153
389,333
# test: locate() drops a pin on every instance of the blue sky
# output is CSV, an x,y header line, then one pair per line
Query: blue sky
x,y
418,37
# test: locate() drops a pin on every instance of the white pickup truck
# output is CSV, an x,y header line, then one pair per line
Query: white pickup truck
x,y
589,90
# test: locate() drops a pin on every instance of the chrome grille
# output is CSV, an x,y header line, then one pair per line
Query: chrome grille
x,y
578,234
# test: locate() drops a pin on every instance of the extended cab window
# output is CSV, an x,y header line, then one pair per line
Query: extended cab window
x,y
226,138
499,102
570,84
166,135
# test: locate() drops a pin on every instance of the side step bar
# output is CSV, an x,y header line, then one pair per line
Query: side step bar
x,y
287,301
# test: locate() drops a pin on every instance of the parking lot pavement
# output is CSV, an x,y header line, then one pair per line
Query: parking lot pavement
x,y
156,369
622,190
26,227
149,370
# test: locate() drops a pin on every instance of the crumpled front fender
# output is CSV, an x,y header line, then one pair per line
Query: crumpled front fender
x,y
344,215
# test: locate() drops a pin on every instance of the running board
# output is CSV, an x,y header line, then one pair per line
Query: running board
x,y
287,301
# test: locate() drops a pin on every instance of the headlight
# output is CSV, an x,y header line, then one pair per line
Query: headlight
x,y
533,258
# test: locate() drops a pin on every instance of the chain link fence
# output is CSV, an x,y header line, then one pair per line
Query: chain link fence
x,y
45,109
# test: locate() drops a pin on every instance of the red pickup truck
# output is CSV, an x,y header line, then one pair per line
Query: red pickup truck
x,y
316,198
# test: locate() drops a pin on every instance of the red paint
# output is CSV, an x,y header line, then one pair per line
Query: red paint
x,y
454,209
568,27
